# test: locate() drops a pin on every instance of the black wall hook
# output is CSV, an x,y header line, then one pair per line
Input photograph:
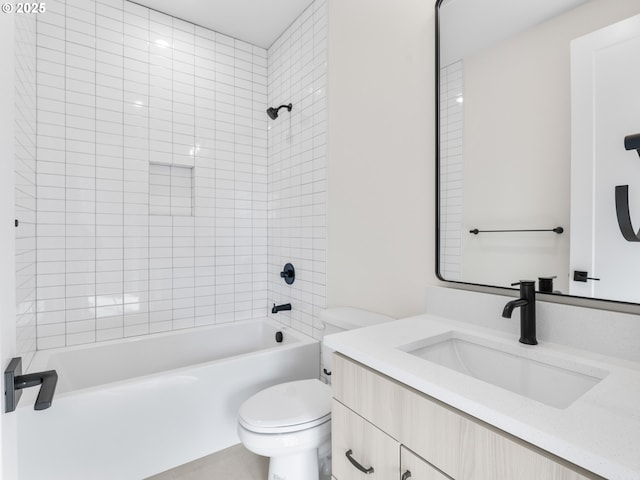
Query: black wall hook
x,y
624,217
632,142
581,276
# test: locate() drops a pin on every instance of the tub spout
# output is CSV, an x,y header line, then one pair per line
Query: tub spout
x,y
279,308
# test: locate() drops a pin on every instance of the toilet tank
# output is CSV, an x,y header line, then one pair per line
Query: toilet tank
x,y
340,319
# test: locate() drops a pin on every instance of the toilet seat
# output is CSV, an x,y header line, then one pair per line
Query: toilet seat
x,y
287,407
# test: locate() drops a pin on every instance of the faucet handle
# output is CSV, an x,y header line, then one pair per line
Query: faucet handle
x,y
288,273
523,282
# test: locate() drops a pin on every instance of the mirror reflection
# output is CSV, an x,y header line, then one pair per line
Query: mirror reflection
x,y
536,100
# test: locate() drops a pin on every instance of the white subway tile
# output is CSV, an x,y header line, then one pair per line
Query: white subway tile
x,y
240,170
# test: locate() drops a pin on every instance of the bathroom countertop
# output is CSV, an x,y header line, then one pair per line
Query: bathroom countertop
x,y
599,432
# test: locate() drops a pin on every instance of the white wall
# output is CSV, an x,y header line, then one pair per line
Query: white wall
x,y
8,437
381,154
297,168
524,182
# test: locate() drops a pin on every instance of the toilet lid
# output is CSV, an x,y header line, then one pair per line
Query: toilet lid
x,y
287,406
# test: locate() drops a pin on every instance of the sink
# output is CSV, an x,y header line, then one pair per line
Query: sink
x,y
554,381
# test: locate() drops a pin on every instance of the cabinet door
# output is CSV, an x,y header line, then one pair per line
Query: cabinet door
x,y
360,450
412,467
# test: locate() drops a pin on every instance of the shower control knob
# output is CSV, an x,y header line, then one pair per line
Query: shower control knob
x,y
289,274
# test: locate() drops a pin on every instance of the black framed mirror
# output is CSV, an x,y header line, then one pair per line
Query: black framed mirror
x,y
535,99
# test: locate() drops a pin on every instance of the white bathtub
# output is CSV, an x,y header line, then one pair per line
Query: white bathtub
x,y
133,408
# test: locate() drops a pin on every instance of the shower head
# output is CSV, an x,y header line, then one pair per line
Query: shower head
x,y
273,112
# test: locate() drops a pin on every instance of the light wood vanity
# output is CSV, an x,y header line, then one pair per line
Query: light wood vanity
x,y
401,433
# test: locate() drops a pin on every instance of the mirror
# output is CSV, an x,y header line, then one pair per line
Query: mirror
x,y
535,102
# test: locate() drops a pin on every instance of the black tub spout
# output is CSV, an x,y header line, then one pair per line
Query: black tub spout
x,y
279,308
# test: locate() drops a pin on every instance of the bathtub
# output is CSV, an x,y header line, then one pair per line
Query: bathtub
x,y
132,408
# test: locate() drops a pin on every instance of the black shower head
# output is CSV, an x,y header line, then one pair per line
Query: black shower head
x,y
273,112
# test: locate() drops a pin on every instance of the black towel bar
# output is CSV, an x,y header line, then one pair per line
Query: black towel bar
x,y
557,230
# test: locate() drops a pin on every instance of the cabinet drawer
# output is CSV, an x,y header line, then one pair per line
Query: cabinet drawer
x,y
418,468
367,446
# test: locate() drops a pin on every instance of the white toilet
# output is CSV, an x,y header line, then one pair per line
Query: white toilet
x,y
290,422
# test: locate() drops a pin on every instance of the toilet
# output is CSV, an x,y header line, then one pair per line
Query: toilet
x,y
291,422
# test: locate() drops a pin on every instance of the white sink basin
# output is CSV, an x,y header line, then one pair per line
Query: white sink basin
x,y
556,382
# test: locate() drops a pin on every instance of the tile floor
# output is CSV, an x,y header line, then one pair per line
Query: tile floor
x,y
233,462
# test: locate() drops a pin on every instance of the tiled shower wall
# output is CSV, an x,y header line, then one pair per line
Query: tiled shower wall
x,y
451,163
297,168
120,88
25,189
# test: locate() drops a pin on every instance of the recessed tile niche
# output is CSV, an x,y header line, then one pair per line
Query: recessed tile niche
x,y
170,190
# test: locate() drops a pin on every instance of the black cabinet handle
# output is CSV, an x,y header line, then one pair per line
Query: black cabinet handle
x,y
406,475
355,463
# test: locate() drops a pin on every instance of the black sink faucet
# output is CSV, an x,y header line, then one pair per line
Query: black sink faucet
x,y
279,308
527,304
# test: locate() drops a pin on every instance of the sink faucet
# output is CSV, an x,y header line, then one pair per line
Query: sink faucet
x,y
527,304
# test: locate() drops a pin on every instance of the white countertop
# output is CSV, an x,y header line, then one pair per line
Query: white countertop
x,y
600,431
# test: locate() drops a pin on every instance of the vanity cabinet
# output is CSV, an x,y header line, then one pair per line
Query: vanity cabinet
x,y
373,412
365,451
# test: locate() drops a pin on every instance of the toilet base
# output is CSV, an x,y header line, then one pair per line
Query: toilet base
x,y
303,465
